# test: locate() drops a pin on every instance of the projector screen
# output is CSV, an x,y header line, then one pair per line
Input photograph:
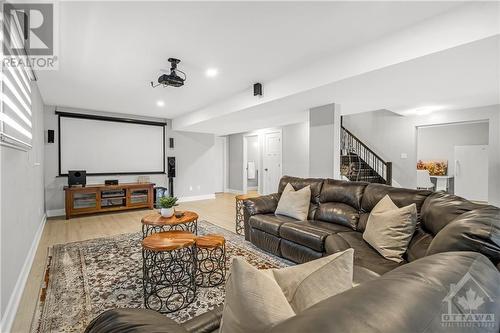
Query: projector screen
x,y
105,146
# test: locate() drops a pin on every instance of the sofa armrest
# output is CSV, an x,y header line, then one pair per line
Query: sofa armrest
x,y
477,230
205,323
133,321
265,204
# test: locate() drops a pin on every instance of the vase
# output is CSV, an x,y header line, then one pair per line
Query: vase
x,y
167,212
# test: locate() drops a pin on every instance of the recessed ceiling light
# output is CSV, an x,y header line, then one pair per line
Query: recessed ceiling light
x,y
211,72
160,103
425,110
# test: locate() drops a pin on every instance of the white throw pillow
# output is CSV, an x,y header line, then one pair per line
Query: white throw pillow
x,y
258,300
389,229
294,203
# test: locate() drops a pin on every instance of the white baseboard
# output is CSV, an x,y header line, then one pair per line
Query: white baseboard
x,y
56,212
228,190
15,297
197,197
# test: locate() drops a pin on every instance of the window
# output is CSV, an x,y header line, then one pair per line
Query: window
x,y
15,93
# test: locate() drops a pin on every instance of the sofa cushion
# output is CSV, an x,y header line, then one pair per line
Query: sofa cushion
x,y
400,196
349,193
269,223
299,183
389,229
309,233
364,254
441,208
419,244
339,213
294,203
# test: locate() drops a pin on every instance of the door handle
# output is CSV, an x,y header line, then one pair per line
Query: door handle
x,y
265,169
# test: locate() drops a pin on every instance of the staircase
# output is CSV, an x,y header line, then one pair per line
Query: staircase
x,y
360,163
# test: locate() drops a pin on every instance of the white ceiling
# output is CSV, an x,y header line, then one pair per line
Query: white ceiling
x,y
110,51
461,77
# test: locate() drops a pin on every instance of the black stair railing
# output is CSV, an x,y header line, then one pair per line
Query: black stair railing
x,y
360,163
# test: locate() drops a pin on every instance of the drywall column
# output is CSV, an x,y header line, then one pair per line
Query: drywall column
x,y
324,141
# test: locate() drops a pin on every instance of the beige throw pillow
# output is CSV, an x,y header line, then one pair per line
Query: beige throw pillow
x,y
294,203
389,229
309,283
258,300
254,301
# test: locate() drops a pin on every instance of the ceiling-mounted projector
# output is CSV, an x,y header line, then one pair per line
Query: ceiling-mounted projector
x,y
172,79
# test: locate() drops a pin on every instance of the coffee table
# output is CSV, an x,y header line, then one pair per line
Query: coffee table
x,y
154,222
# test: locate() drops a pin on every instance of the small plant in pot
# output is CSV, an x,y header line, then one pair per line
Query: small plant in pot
x,y
167,206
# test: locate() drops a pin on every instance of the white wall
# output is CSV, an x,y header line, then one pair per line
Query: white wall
x,y
22,213
390,135
438,142
295,153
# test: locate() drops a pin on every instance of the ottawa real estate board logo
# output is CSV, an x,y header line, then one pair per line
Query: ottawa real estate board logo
x,y
465,305
30,36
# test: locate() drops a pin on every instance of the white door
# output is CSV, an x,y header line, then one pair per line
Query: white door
x,y
471,172
219,163
271,162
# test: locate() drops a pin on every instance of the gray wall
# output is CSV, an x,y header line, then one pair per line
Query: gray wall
x,y
235,161
194,154
438,142
296,150
253,156
195,168
324,141
390,135
22,208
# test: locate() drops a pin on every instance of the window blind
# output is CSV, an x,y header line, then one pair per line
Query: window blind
x,y
15,93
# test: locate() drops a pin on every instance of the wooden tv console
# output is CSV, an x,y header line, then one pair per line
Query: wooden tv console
x,y
108,198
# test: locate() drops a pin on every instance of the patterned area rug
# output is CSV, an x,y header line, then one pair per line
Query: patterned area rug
x,y
86,278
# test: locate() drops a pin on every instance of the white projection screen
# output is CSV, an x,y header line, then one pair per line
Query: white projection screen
x,y
105,146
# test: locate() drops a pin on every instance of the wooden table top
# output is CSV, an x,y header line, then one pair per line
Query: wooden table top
x,y
210,241
246,196
168,240
156,219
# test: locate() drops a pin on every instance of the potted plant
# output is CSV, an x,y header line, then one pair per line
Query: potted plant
x,y
167,206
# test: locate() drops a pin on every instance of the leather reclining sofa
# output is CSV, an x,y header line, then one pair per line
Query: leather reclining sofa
x,y
455,240
338,213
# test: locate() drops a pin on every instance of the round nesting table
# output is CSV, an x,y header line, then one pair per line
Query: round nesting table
x,y
169,268
211,260
154,222
239,211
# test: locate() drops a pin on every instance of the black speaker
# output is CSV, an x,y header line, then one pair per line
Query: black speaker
x,y
77,177
171,167
257,89
170,142
50,136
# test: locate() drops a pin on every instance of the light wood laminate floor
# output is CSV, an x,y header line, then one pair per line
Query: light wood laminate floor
x,y
220,211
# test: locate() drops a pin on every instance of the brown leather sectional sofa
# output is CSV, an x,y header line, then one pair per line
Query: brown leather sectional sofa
x,y
338,214
455,240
